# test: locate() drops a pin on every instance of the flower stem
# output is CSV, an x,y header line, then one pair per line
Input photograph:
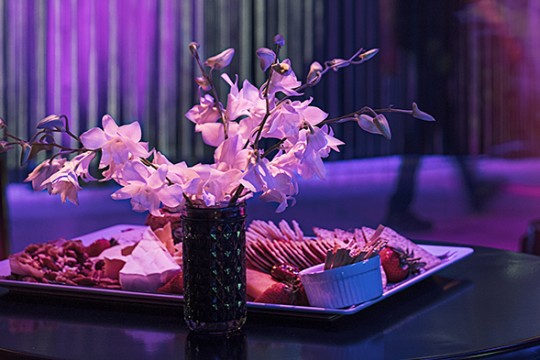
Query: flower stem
x,y
217,104
236,195
273,147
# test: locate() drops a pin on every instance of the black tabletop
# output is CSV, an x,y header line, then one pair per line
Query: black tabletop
x,y
486,304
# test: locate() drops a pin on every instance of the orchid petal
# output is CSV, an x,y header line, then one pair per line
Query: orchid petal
x,y
109,125
131,131
212,133
93,139
266,58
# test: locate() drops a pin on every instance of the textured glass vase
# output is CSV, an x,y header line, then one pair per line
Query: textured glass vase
x,y
214,268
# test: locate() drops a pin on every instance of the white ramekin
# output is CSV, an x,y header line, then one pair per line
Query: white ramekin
x,y
343,286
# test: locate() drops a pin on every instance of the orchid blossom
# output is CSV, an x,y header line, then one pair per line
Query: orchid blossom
x,y
265,138
118,144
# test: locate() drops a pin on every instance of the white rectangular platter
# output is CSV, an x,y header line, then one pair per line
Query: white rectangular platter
x,y
456,253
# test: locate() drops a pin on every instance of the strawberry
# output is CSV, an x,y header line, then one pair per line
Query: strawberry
x,y
97,247
398,264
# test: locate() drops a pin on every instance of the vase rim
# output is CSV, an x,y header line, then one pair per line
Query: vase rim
x,y
214,207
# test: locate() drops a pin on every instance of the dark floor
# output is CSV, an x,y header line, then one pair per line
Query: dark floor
x,y
355,194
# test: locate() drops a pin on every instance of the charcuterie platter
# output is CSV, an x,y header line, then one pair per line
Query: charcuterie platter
x,y
144,294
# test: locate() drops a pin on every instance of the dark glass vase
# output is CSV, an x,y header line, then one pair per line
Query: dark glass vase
x,y
214,268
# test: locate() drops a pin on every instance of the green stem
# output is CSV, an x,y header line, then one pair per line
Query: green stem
x,y
273,147
236,195
217,104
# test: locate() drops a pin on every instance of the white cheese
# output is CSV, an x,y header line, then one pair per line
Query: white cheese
x,y
148,267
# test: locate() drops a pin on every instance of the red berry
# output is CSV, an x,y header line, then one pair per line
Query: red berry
x,y
395,266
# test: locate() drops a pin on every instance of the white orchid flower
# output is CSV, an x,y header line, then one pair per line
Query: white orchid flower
x,y
216,186
230,154
82,163
205,112
285,187
43,171
179,174
213,133
285,83
148,188
65,182
119,144
242,102
283,122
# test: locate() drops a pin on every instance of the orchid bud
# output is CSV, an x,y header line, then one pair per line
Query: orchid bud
x,y
279,40
221,60
382,124
419,114
266,58
314,75
365,56
281,68
2,123
375,125
51,122
335,64
193,47
203,83
26,150
47,138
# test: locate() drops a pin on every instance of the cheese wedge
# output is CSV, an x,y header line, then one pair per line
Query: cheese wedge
x,y
148,267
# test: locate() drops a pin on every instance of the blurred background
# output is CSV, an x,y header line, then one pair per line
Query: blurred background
x,y
471,177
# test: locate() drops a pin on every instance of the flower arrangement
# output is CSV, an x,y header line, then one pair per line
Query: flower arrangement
x,y
297,136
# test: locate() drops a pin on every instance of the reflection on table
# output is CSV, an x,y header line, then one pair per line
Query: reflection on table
x,y
486,301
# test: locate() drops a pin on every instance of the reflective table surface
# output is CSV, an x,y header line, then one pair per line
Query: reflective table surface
x,y
486,306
